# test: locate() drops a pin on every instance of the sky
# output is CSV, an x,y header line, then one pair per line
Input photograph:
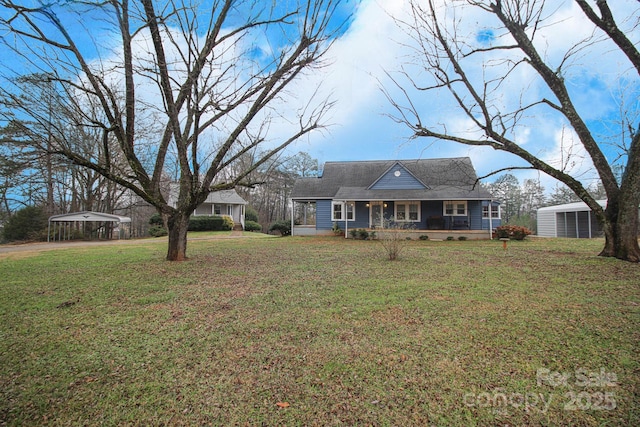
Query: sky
x,y
375,45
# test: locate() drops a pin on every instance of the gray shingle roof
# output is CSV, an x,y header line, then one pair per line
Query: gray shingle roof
x,y
225,197
452,178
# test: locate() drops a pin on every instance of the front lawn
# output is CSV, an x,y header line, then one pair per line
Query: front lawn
x,y
320,331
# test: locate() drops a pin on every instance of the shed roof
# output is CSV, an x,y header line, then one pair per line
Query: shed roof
x,y
444,179
571,207
88,216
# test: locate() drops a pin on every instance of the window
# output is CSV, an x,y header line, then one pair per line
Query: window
x,y
408,211
230,210
217,210
338,210
455,208
414,212
495,212
351,214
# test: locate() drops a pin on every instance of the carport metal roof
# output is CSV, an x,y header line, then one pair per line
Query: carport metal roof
x,y
85,216
88,216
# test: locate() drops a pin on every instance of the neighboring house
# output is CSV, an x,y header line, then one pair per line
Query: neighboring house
x,y
569,220
224,203
428,194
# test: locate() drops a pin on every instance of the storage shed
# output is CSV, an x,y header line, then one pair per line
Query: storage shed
x,y
569,220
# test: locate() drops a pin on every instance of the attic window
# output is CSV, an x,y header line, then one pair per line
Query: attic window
x,y
397,173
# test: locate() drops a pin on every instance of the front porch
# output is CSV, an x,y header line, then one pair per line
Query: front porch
x,y
438,235
413,234
438,219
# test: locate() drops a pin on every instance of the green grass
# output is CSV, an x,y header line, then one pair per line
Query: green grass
x,y
115,335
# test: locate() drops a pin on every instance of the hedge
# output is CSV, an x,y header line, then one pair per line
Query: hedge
x,y
252,226
210,223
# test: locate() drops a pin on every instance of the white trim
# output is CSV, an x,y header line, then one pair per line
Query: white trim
x,y
494,209
490,218
372,220
407,204
333,211
455,204
404,168
344,210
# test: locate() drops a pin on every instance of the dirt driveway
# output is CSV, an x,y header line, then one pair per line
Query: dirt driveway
x,y
48,246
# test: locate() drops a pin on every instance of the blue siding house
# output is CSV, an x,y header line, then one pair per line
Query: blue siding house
x,y
441,195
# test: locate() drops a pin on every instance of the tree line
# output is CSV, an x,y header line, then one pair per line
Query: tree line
x,y
520,201
167,89
38,189
164,91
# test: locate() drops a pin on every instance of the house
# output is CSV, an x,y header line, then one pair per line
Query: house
x,y
439,195
569,220
224,203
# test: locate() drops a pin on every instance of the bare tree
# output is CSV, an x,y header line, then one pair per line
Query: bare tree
x,y
273,182
52,180
507,189
196,72
497,114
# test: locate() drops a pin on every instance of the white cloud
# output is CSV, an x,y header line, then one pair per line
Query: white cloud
x,y
374,44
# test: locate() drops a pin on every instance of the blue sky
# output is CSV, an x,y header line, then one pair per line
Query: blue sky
x,y
373,45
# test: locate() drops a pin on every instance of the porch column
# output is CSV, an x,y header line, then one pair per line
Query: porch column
x,y
293,213
490,219
304,213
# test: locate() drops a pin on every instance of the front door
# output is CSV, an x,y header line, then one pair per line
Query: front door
x,y
376,215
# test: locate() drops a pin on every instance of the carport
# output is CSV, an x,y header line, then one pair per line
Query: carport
x,y
104,225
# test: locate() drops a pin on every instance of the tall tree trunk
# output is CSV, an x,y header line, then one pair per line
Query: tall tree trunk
x,y
177,226
49,172
621,230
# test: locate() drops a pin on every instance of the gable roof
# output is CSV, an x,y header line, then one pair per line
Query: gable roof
x,y
229,197
391,177
443,179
